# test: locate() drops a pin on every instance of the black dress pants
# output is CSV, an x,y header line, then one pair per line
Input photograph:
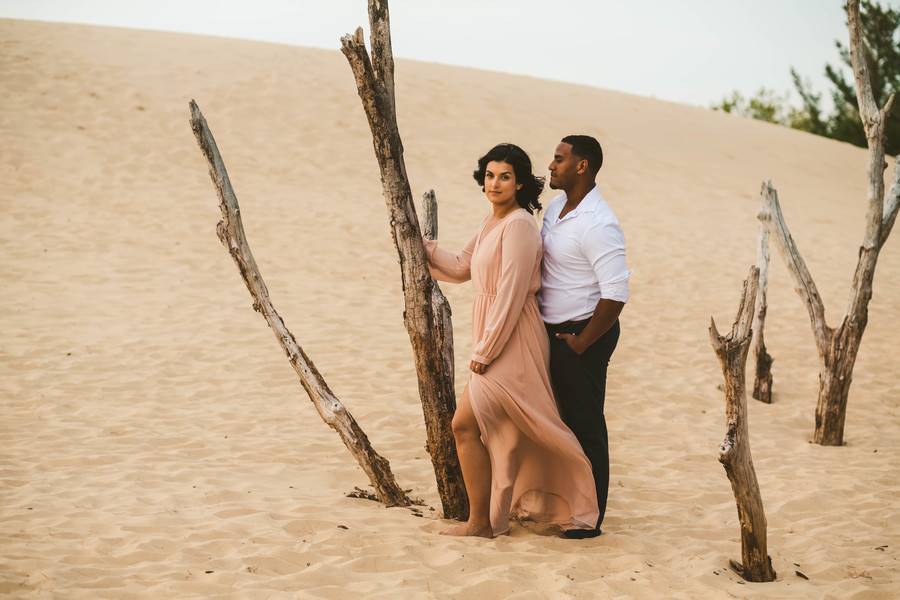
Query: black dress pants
x,y
579,383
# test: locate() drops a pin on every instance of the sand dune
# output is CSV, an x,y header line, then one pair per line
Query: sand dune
x,y
155,443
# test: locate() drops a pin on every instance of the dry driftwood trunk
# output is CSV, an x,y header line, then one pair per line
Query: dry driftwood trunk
x,y
375,84
762,381
440,307
231,233
838,347
734,453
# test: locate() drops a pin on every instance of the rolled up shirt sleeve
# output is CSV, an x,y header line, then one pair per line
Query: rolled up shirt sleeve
x,y
604,247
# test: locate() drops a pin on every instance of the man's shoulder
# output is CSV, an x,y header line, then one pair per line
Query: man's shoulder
x,y
554,207
556,203
603,213
602,225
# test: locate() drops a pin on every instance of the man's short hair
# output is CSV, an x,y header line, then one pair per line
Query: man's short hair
x,y
587,148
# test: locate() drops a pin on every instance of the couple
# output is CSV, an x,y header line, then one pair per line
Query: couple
x,y
545,323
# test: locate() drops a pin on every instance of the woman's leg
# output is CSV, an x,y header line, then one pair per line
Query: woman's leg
x,y
476,468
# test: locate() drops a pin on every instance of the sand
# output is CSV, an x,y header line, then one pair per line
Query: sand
x,y
155,442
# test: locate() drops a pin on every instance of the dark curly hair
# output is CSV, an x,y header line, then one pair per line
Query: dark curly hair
x,y
532,186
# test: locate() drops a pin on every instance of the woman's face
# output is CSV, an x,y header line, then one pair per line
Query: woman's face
x,y
500,182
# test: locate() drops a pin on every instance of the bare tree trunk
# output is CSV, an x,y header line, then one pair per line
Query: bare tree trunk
x,y
734,453
835,377
762,382
231,233
838,348
375,84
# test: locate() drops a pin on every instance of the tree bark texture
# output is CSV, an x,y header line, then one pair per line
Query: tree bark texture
x,y
231,233
440,306
734,453
838,347
375,84
430,208
762,381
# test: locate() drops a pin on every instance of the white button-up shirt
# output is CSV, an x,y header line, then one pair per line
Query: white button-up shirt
x,y
584,259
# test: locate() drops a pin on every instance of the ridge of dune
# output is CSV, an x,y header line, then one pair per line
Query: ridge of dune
x,y
155,442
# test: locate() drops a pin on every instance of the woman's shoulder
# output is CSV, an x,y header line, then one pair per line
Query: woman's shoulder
x,y
521,222
521,215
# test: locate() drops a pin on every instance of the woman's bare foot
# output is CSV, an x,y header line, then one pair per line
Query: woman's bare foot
x,y
469,530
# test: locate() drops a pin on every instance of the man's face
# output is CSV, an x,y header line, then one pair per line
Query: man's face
x,y
565,167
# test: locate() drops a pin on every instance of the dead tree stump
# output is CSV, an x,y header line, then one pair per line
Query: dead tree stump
x,y
734,453
231,233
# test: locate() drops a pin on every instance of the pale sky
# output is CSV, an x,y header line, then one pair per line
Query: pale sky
x,y
692,51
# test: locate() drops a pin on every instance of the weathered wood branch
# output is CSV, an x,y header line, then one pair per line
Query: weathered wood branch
x,y
837,348
770,216
382,55
868,107
440,306
231,233
734,452
375,86
429,207
891,204
874,121
762,380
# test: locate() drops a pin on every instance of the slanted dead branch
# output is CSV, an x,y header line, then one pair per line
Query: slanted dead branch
x,y
231,233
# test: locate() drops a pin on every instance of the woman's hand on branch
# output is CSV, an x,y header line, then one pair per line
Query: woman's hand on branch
x,y
429,246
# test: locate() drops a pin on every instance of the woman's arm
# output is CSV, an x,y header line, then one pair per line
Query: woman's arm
x,y
446,266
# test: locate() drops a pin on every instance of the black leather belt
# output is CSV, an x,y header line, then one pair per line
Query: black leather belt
x,y
567,326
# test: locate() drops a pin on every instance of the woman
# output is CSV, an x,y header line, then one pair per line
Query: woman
x,y
516,454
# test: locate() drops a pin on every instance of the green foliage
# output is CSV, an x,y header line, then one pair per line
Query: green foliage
x,y
766,105
809,116
881,33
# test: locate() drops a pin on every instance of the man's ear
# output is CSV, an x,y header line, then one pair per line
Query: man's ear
x,y
582,166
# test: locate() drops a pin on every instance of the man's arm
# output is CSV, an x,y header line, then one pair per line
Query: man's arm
x,y
605,315
603,246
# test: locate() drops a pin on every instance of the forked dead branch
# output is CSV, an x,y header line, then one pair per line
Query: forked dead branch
x,y
838,347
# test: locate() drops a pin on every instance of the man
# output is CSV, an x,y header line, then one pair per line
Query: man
x,y
584,285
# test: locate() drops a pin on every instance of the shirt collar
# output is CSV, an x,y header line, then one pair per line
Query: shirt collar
x,y
589,203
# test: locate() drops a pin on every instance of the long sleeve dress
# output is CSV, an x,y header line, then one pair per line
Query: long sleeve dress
x,y
538,469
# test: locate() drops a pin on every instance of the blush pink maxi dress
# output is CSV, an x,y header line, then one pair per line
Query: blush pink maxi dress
x,y
538,469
